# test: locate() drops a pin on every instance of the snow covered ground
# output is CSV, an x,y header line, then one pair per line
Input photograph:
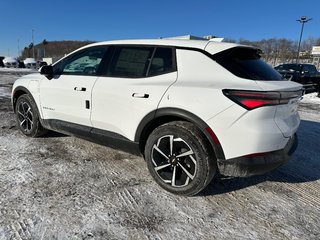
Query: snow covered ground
x,y
312,98
61,187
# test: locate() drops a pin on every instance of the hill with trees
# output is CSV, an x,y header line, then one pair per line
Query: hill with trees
x,y
53,49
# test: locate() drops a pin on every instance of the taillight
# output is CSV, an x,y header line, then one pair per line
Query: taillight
x,y
255,99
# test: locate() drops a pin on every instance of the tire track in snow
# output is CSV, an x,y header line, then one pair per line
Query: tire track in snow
x,y
21,228
307,191
135,216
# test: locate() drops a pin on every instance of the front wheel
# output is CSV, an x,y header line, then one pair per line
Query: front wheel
x,y
28,118
179,158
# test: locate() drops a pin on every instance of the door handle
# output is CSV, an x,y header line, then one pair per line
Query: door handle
x,y
140,95
80,89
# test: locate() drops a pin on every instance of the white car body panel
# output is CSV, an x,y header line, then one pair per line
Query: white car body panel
x,y
30,60
115,109
31,82
243,132
286,116
229,121
62,99
199,85
215,47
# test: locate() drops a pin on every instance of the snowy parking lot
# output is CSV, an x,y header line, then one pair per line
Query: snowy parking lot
x,y
61,187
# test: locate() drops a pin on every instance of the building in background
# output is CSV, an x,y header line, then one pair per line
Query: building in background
x,y
50,60
316,56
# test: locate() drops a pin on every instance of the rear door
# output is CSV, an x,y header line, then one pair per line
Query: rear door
x,y
134,83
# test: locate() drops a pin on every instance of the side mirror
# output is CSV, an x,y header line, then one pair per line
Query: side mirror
x,y
47,71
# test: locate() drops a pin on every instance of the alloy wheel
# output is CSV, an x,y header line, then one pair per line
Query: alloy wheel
x,y
174,161
25,116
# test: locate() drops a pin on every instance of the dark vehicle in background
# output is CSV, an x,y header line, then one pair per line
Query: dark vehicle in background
x,y
306,74
21,64
1,61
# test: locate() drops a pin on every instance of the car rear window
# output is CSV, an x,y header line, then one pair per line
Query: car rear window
x,y
246,63
288,67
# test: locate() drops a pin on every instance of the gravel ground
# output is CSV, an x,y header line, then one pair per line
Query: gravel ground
x,y
61,187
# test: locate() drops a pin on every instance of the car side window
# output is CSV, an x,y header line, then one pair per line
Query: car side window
x,y
162,62
131,62
85,62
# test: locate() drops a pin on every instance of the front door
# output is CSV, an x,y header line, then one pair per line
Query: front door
x,y
67,97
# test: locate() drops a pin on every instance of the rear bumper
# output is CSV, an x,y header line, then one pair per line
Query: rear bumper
x,y
257,165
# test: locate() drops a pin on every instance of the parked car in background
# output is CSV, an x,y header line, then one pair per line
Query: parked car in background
x,y
10,62
1,61
306,74
21,64
193,108
30,63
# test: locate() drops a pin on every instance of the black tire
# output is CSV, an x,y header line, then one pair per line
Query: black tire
x,y
188,166
27,117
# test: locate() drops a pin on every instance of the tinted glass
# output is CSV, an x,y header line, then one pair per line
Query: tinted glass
x,y
289,67
85,62
131,61
162,62
246,63
309,68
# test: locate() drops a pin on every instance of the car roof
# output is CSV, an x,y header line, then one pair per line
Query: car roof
x,y
9,59
297,64
210,46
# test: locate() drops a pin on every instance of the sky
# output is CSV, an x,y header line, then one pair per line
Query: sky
x,y
100,20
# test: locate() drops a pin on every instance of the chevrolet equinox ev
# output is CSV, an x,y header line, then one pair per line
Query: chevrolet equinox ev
x,y
193,108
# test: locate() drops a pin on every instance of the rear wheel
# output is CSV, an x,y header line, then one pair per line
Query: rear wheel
x,y
28,118
179,158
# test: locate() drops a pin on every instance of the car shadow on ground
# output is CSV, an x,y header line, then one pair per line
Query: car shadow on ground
x,y
116,144
52,134
304,166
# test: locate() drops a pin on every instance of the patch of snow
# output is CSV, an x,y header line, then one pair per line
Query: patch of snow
x,y
18,70
4,93
311,97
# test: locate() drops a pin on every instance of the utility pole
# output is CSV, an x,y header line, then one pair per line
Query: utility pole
x,y
33,43
18,47
302,20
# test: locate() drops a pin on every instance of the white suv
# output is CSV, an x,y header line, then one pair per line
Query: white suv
x,y
194,108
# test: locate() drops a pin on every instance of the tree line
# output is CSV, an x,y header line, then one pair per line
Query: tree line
x,y
52,49
273,49
282,49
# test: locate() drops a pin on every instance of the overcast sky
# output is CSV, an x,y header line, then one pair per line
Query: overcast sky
x,y
100,20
